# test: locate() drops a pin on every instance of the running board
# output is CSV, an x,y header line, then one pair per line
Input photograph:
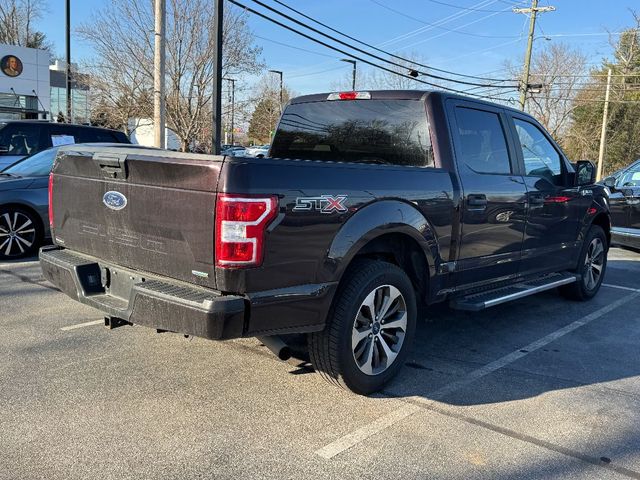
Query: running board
x,y
491,298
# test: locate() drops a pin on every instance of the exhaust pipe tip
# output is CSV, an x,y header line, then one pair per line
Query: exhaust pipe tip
x,y
277,346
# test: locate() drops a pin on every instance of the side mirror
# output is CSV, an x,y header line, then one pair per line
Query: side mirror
x,y
585,173
610,182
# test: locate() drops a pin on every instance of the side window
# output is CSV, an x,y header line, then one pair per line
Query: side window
x,y
541,159
20,139
630,178
482,140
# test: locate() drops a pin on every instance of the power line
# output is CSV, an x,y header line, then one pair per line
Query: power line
x,y
471,9
451,30
294,47
342,51
357,49
369,45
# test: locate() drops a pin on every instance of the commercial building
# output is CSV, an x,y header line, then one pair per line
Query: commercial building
x,y
32,88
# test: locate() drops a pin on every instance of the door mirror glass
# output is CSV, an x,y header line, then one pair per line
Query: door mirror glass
x,y
610,182
585,173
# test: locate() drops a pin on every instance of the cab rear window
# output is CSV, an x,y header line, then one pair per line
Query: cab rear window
x,y
393,132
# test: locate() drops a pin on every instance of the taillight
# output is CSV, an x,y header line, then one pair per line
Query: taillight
x,y
349,96
241,222
51,200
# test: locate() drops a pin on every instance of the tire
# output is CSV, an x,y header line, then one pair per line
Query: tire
x,y
592,265
20,233
354,349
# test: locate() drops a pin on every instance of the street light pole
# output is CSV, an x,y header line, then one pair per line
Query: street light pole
x,y
68,56
232,81
281,98
216,97
353,72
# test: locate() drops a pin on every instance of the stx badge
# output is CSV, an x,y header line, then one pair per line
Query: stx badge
x,y
323,203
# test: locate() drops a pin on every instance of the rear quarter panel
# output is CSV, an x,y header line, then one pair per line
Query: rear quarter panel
x,y
306,247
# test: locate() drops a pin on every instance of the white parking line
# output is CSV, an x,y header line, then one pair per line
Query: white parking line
x,y
620,287
80,325
351,439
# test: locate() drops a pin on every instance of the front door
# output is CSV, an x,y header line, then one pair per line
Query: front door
x,y
555,206
625,205
494,195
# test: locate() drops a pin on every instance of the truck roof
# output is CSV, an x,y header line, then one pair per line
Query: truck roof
x,y
398,95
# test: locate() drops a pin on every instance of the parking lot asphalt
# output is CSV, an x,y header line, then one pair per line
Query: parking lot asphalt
x,y
538,388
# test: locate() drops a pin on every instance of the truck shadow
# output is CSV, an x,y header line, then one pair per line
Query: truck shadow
x,y
452,344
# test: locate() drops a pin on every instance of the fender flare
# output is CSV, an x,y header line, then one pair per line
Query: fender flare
x,y
377,219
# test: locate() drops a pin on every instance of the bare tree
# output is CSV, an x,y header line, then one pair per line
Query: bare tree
x,y
560,70
17,18
122,36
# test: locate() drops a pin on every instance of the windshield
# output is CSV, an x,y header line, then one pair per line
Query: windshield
x,y
36,165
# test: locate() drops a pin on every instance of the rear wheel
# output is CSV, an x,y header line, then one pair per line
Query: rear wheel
x,y
20,233
369,329
592,265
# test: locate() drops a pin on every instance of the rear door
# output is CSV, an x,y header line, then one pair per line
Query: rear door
x,y
494,194
556,207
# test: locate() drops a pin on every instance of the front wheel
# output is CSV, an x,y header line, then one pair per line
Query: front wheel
x,y
369,329
592,265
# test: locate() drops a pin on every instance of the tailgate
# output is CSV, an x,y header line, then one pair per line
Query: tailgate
x,y
141,208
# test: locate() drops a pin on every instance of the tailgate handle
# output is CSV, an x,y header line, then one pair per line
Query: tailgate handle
x,y
112,165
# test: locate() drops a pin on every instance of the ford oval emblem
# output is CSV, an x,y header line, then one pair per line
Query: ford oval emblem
x,y
114,200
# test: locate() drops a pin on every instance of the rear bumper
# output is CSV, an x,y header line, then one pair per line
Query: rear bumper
x,y
161,303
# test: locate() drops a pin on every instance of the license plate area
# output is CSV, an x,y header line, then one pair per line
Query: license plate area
x,y
117,282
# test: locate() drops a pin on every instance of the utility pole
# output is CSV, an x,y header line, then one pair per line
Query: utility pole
x,y
216,107
353,72
524,87
232,81
68,56
278,72
603,133
159,121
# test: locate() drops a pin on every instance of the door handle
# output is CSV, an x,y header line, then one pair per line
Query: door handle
x,y
477,200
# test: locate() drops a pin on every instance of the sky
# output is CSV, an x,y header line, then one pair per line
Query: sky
x,y
471,37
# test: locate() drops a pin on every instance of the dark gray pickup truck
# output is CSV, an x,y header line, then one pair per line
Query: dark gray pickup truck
x,y
371,207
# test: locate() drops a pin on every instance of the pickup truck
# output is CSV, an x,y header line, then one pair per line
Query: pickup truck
x,y
371,207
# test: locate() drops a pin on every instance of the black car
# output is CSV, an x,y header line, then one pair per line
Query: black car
x,y
625,205
21,138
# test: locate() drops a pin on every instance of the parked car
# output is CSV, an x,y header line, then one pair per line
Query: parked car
x,y
378,204
234,151
259,151
21,138
24,203
624,203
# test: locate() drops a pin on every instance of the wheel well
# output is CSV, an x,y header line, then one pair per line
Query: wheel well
x,y
602,221
406,253
29,209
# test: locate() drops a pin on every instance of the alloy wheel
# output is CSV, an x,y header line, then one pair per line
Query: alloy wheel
x,y
17,234
379,330
593,263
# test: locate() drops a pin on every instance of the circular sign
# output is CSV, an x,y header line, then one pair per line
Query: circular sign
x,y
11,65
